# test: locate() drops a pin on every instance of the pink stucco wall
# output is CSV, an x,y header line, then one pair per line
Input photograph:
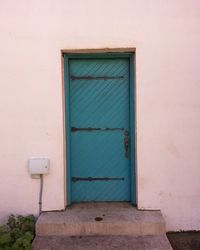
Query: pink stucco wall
x,y
166,35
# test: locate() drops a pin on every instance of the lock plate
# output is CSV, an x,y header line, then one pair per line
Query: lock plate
x,y
126,143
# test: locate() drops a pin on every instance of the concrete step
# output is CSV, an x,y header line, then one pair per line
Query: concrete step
x,y
155,242
87,219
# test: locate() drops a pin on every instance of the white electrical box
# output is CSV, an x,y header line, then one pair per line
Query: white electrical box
x,y
37,166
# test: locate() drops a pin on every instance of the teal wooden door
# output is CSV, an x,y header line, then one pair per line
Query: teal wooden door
x,y
99,91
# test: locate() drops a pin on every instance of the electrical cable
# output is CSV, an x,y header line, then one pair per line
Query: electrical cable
x,y
40,195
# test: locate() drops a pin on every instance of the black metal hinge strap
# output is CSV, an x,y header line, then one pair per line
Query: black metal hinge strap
x,y
95,77
74,179
74,129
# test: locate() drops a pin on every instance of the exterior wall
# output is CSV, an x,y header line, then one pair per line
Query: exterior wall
x,y
166,35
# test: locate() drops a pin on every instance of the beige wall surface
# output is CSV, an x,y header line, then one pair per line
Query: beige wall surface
x,y
166,35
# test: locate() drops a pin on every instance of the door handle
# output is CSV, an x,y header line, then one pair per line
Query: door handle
x,y
126,142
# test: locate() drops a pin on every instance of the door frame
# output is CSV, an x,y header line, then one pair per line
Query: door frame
x,y
86,54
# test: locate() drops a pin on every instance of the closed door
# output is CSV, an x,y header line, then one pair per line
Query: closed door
x,y
99,129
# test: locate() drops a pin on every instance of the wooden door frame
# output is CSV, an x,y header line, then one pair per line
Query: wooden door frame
x,y
95,54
